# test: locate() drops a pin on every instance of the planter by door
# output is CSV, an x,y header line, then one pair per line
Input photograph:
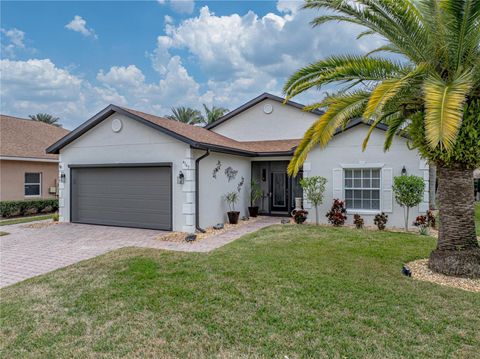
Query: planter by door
x,y
233,217
253,211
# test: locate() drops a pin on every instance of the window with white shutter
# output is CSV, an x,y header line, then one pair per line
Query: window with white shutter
x,y
387,193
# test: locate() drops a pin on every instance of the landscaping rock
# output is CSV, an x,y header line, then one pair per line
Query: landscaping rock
x,y
245,218
218,226
190,237
285,221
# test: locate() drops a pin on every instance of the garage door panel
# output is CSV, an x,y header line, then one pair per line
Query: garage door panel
x,y
124,196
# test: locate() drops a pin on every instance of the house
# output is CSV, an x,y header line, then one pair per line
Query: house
x,y
128,168
26,171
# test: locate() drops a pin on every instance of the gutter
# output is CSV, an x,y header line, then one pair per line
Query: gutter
x,y
197,190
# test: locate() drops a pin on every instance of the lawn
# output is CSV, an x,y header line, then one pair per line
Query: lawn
x,y
7,222
285,291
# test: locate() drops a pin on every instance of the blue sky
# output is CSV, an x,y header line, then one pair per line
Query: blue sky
x,y
73,58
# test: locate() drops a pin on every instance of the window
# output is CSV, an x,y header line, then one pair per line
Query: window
x,y
362,189
33,184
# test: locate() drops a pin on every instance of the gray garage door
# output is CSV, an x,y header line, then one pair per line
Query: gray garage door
x,y
122,196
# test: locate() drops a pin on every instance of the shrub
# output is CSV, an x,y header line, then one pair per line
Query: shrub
x,y
231,198
300,216
23,208
313,187
381,220
56,217
408,192
358,221
336,215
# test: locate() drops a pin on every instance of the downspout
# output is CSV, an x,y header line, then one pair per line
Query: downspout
x,y
197,191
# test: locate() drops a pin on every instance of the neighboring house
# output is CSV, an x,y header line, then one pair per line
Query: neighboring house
x,y
26,170
128,168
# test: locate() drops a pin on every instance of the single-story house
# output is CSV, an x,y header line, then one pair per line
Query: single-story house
x,y
128,168
26,171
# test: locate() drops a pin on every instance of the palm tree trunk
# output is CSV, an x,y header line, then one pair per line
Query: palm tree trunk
x,y
457,251
432,181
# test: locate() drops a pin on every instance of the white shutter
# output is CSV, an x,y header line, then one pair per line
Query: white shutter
x,y
337,183
387,193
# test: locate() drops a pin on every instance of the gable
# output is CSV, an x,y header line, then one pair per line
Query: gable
x,y
254,124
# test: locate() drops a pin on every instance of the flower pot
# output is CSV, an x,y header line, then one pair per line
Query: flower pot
x,y
233,217
253,211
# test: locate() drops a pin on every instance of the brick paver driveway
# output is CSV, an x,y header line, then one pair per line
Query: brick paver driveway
x,y
27,252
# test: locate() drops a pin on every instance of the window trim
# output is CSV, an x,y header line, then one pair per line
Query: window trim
x,y
31,183
365,166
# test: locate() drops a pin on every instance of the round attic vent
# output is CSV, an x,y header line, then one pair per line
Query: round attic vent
x,y
116,125
268,108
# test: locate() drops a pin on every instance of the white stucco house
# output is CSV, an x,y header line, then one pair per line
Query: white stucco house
x,y
127,168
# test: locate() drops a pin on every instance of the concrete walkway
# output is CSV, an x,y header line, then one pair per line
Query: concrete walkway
x,y
28,252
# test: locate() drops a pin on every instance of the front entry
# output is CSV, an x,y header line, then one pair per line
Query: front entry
x,y
278,189
279,192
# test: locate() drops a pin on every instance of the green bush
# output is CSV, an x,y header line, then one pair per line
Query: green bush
x,y
29,207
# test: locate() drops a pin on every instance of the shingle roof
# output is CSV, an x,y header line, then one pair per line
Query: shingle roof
x,y
201,136
26,138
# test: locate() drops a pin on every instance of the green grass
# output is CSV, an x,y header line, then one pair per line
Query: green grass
x,y
3,233
25,219
296,291
477,217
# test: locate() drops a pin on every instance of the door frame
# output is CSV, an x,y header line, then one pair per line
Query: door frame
x,y
72,167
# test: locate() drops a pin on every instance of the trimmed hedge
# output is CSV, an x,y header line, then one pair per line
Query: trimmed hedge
x,y
29,207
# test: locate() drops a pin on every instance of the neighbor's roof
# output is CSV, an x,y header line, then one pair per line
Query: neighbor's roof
x,y
26,138
256,100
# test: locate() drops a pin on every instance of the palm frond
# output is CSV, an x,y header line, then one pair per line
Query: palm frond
x,y
340,110
444,109
341,68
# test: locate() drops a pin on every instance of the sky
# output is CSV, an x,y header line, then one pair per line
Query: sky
x,y
73,58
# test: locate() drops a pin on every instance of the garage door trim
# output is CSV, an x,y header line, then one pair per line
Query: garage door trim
x,y
122,165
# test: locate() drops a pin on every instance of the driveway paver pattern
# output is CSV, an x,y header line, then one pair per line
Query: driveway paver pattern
x,y
27,252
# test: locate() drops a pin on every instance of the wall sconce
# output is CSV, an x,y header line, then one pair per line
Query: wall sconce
x,y
404,171
181,178
62,177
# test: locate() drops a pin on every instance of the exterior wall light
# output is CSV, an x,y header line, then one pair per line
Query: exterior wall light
x,y
62,177
404,171
181,178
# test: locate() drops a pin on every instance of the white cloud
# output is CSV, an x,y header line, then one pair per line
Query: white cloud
x,y
180,6
12,40
78,24
122,76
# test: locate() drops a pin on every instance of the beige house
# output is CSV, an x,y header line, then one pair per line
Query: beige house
x,y
26,170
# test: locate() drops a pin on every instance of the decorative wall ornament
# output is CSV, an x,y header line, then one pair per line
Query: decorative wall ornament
x,y
185,164
230,173
240,184
216,169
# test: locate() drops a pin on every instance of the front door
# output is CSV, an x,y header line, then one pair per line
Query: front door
x,y
279,197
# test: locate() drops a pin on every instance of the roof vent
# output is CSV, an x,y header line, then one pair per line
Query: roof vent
x,y
268,108
116,125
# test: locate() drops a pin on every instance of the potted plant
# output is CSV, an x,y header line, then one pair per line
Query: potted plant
x,y
232,198
255,195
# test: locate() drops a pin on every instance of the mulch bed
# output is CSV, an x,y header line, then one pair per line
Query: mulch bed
x,y
420,271
210,231
41,224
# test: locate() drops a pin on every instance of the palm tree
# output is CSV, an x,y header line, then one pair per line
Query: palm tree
x,y
186,115
214,113
47,118
432,94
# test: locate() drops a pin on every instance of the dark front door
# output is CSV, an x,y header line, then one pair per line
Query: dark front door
x,y
279,191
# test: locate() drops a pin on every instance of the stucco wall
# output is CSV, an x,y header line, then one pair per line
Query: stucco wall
x,y
12,178
135,143
345,149
213,208
285,122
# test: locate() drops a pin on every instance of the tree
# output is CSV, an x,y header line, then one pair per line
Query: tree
x,y
408,192
214,113
432,95
186,115
46,118
314,187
